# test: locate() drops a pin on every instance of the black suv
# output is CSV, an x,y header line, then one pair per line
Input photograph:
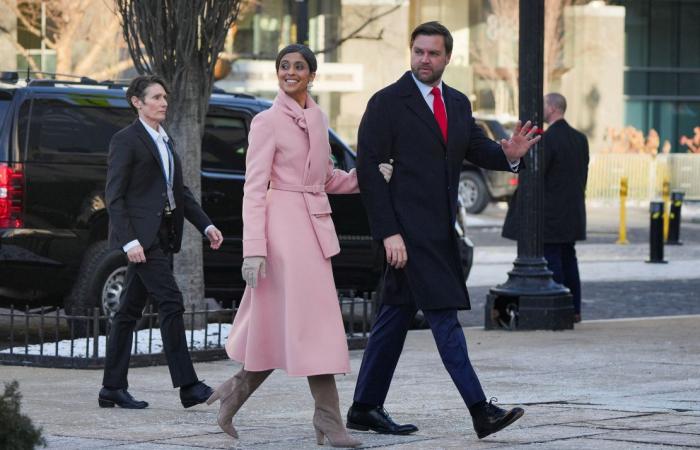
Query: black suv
x,y
477,186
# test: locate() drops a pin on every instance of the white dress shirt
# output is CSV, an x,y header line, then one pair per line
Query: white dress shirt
x,y
160,138
426,91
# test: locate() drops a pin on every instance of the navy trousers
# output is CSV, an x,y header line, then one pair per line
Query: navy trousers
x,y
561,260
386,343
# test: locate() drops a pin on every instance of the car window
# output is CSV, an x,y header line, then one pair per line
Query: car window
x,y
224,144
59,128
341,157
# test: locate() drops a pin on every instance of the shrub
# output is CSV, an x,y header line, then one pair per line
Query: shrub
x,y
16,430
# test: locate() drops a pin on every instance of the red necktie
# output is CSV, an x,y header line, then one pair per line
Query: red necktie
x,y
439,111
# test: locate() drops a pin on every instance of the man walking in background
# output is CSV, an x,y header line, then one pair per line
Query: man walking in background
x,y
565,167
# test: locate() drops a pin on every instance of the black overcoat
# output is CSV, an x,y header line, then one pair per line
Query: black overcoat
x,y
420,202
136,191
565,171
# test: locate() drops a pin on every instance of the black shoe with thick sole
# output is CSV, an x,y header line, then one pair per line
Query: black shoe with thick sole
x,y
492,419
377,420
108,398
195,394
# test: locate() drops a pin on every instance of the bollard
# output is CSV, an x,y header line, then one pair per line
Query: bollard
x,y
622,232
666,196
656,233
674,227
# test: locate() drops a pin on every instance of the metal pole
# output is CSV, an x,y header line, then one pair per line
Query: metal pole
x,y
302,22
541,303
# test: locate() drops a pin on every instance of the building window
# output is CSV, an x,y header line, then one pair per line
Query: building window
x,y
662,74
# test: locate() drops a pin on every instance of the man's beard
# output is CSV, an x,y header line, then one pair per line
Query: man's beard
x,y
430,79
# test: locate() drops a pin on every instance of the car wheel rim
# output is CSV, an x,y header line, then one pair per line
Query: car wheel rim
x,y
112,291
468,193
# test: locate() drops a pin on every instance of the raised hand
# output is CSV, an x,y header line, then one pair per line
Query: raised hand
x,y
523,138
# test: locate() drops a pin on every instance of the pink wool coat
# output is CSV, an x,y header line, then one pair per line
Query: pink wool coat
x,y
292,319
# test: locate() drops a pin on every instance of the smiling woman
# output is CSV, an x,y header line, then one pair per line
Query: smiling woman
x,y
289,317
296,69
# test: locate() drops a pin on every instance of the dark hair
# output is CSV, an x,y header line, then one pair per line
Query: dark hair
x,y
432,29
138,87
305,52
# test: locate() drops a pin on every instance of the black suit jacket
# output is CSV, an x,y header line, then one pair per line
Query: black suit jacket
x,y
565,167
136,191
420,202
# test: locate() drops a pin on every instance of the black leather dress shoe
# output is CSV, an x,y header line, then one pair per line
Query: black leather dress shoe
x,y
492,418
376,419
195,394
120,397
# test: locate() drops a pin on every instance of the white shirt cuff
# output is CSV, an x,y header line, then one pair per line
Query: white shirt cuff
x,y
514,165
206,230
130,245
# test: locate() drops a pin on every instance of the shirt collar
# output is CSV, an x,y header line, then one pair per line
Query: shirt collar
x,y
155,134
424,88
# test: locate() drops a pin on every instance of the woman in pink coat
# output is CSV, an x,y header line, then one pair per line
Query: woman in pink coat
x,y
289,317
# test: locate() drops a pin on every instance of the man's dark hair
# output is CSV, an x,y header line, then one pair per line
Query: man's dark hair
x,y
305,52
432,29
138,87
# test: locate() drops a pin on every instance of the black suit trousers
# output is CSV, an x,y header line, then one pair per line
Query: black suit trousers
x,y
154,278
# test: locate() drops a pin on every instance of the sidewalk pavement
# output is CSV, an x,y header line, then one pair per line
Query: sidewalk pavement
x,y
619,384
597,262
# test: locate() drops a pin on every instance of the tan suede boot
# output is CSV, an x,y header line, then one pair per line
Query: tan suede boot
x,y
233,393
327,421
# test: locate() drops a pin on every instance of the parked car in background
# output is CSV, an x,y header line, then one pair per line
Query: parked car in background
x,y
477,186
54,137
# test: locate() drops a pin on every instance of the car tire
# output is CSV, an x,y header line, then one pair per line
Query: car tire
x,y
473,192
99,284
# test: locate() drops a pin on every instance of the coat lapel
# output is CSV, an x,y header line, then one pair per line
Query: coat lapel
x,y
416,103
147,140
453,117
312,121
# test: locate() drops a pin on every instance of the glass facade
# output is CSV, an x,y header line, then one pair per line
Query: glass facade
x,y
662,73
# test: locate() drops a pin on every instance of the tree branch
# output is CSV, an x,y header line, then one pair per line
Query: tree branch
x,y
355,33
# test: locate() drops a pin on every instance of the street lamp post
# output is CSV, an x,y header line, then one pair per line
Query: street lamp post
x,y
530,299
302,22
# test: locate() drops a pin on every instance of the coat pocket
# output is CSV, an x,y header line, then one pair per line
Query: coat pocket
x,y
318,204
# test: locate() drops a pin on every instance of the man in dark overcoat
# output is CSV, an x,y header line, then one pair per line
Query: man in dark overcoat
x,y
565,167
427,129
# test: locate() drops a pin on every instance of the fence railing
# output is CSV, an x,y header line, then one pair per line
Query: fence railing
x,y
645,176
50,338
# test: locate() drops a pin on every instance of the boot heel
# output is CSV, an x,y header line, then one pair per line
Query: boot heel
x,y
105,403
320,438
214,397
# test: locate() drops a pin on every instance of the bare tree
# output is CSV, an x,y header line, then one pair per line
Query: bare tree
x,y
180,40
71,26
500,69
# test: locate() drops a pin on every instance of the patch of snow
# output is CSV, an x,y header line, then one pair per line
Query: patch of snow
x,y
84,348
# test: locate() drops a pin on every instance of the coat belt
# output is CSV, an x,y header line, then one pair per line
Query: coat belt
x,y
316,188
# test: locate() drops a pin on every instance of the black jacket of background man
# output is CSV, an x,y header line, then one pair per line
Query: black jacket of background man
x,y
420,202
565,168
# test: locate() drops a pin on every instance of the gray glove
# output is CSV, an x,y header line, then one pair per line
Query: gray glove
x,y
387,170
252,268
